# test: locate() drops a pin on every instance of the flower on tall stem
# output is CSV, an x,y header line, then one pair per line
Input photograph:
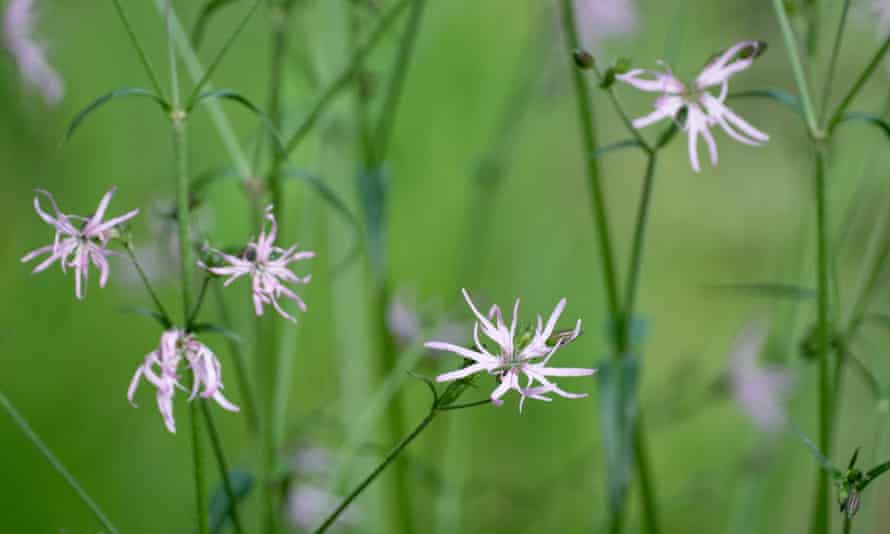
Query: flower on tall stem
x,y
700,108
79,241
267,265
515,356
29,55
757,389
161,369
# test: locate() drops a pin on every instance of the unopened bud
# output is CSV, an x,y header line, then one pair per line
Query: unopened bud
x,y
583,59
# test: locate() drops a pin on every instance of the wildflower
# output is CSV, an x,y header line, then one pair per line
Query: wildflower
x,y
77,247
527,354
758,390
599,20
18,28
177,346
267,266
702,109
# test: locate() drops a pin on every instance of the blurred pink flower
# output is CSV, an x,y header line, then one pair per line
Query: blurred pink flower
x,y
406,319
703,110
29,55
177,346
77,247
267,265
758,390
515,355
599,20
308,505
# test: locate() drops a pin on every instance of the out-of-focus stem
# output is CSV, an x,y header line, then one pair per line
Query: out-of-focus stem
x,y
857,86
797,68
223,467
835,52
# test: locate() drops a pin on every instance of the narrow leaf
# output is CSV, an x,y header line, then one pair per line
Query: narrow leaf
x,y
238,98
145,312
207,11
878,389
372,197
104,99
874,473
603,150
870,118
767,289
817,454
618,408
221,506
429,383
215,329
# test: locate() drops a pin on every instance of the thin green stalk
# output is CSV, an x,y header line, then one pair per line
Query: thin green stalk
x,y
585,117
835,52
821,512
860,82
145,282
193,315
639,239
211,69
56,464
198,462
248,404
848,524
797,69
143,57
223,467
345,77
644,472
622,114
393,454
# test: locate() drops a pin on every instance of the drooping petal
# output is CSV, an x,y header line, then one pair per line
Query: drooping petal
x,y
652,81
736,58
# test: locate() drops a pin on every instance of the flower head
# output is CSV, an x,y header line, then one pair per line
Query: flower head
x,y
703,110
79,241
160,368
599,20
758,390
266,264
515,356
18,29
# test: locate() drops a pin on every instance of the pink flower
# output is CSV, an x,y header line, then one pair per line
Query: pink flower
x,y
18,27
703,110
77,247
267,266
527,354
176,347
599,20
758,390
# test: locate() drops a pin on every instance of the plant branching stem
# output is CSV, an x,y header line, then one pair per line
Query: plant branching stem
x,y
146,283
835,52
216,443
143,57
797,69
56,464
857,86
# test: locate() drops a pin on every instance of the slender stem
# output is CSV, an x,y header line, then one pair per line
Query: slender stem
x,y
145,282
585,117
860,82
797,68
171,55
343,79
248,404
848,524
821,512
223,467
622,114
835,52
639,239
197,309
644,472
211,69
376,472
143,58
198,464
56,464
383,132
186,253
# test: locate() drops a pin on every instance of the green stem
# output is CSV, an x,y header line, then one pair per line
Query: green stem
x,y
193,315
56,464
145,282
198,464
797,68
223,467
860,82
393,454
622,114
644,472
848,524
835,52
821,512
639,239
585,117
143,57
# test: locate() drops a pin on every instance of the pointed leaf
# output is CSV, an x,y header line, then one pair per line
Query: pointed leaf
x,y
767,289
870,118
877,388
603,150
221,507
200,26
372,197
618,380
145,312
429,383
874,473
214,329
817,454
667,135
104,99
233,96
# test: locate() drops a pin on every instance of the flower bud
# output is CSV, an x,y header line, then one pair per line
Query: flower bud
x,y
583,59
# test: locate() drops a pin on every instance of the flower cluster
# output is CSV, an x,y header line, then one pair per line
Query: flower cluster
x,y
161,369
79,241
18,29
266,264
525,355
702,109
